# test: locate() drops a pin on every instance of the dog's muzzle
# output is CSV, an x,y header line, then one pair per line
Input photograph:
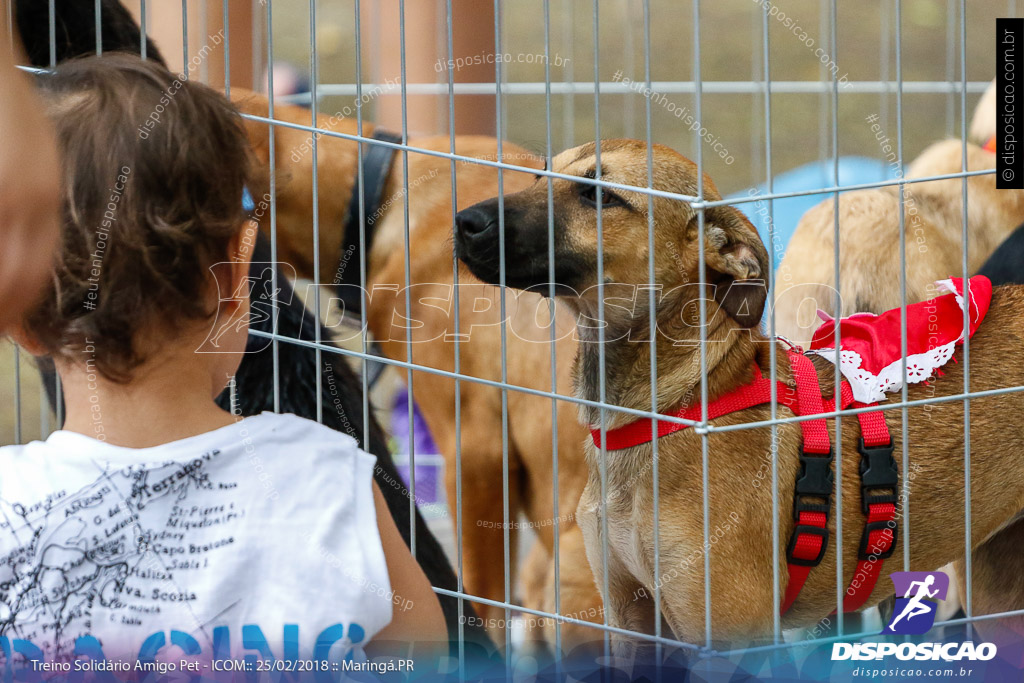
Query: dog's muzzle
x,y
476,242
474,225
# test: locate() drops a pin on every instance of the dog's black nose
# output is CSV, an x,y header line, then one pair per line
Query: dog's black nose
x,y
473,222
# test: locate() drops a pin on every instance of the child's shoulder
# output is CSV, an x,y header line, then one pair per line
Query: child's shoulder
x,y
265,434
289,426
303,437
19,452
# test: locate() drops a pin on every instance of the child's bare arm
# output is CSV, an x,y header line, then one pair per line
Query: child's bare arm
x,y
423,621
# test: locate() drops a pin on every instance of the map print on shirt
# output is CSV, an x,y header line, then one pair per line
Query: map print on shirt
x,y
112,558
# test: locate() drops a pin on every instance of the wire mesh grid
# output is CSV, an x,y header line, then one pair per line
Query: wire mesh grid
x,y
583,81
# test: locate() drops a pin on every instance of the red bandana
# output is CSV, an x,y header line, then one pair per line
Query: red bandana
x,y
870,357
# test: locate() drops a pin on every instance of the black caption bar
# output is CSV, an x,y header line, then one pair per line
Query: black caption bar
x,y
1009,152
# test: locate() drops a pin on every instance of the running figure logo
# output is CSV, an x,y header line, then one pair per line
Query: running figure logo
x,y
914,613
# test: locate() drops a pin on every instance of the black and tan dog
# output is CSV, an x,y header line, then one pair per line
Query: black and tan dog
x,y
741,556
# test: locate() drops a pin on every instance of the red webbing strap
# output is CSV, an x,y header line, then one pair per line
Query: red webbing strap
x,y
640,432
880,541
873,429
880,530
810,402
810,535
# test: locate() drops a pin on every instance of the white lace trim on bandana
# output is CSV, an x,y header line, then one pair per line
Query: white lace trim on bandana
x,y
870,388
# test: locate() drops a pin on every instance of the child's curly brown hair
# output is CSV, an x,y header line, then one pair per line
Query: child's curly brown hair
x,y
154,173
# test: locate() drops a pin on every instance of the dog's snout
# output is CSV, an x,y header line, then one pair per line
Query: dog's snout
x,y
473,222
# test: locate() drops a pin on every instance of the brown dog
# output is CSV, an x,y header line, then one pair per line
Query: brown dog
x,y
741,554
531,477
869,250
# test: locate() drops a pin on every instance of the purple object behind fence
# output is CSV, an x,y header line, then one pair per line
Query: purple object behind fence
x,y
429,472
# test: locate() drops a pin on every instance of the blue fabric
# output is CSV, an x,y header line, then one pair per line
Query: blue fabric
x,y
789,211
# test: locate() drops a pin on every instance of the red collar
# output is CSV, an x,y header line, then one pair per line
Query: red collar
x,y
757,392
990,146
808,543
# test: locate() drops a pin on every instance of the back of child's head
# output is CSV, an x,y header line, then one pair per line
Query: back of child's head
x,y
154,173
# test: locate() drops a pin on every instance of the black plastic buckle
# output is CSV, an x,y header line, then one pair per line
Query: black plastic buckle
x,y
866,553
877,471
815,479
813,531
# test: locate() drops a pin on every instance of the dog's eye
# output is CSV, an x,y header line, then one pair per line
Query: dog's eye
x,y
588,194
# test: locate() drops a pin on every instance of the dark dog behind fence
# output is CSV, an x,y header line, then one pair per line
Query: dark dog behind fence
x,y
341,398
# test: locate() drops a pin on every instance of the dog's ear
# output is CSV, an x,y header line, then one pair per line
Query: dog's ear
x,y
733,250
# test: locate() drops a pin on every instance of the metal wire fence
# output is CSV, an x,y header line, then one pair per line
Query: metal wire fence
x,y
950,94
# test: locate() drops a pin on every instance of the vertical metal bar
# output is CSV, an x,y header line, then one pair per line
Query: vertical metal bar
x,y
968,545
408,271
53,32
143,24
885,62
97,10
184,38
314,103
499,134
705,500
227,50
755,168
904,435
823,97
44,404
556,557
275,348
44,412
601,361
628,123
363,256
17,394
59,392
772,347
652,330
951,37
456,339
257,52
569,74
838,313
204,67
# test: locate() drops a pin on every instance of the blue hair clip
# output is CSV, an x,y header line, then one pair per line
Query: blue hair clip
x,y
247,203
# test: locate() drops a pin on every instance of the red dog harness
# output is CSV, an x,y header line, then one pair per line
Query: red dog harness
x,y
878,471
809,541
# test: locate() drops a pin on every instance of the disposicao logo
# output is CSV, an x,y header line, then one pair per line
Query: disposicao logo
x,y
914,613
917,598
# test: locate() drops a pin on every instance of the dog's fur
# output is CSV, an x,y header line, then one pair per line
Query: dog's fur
x,y
869,253
741,556
254,381
531,477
